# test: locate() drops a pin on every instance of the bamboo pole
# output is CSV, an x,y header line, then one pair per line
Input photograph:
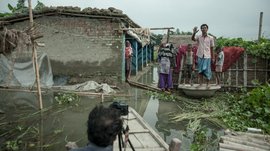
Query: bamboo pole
x,y
236,74
223,77
266,73
245,70
255,67
238,147
181,71
230,79
244,142
254,135
34,53
260,25
168,35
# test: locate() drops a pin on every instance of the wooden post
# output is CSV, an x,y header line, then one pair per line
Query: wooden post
x,y
146,56
175,145
266,73
260,25
142,56
136,56
223,78
245,70
123,58
34,54
181,72
255,70
236,74
230,79
168,35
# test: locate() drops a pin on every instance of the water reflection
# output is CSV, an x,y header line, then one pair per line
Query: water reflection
x,y
51,129
157,115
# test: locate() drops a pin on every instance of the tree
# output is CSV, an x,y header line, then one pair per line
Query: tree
x,y
177,31
158,38
39,6
20,7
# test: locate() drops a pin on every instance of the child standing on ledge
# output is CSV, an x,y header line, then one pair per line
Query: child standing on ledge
x,y
219,63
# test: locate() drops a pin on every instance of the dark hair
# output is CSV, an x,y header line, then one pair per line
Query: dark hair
x,y
104,123
204,25
218,48
171,46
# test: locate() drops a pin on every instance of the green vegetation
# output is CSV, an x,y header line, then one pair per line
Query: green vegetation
x,y
249,109
67,98
237,112
21,8
259,48
162,96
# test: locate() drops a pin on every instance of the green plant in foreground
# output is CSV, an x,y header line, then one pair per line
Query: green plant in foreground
x,y
162,96
67,98
250,109
12,145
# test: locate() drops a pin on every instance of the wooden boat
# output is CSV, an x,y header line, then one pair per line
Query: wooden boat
x,y
141,135
198,91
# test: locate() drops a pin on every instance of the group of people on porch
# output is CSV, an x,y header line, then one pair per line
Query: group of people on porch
x,y
202,60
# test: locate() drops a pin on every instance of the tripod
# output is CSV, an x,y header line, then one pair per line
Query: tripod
x,y
121,141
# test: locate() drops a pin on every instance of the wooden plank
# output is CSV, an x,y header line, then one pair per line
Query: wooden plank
x,y
147,140
135,125
143,149
140,131
141,135
152,132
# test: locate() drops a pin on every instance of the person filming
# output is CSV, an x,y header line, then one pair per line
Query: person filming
x,y
104,124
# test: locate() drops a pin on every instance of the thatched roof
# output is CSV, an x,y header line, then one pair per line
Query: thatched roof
x,y
178,40
110,13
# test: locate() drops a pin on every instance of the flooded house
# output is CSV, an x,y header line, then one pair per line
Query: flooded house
x,y
87,44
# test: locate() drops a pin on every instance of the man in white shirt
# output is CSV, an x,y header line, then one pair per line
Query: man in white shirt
x,y
204,53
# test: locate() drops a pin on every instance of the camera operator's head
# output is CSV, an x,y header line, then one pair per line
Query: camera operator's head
x,y
104,123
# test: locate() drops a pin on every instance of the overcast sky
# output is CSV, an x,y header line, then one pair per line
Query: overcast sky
x,y
226,18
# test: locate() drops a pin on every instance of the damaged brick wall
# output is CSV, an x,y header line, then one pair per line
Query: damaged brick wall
x,y
80,46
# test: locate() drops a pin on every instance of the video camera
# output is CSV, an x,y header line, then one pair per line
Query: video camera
x,y
122,107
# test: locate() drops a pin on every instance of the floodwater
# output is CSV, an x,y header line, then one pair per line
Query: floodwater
x,y
22,124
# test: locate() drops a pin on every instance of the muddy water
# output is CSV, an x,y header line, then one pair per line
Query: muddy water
x,y
20,118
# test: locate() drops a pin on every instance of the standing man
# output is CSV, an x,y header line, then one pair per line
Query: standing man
x,y
204,53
